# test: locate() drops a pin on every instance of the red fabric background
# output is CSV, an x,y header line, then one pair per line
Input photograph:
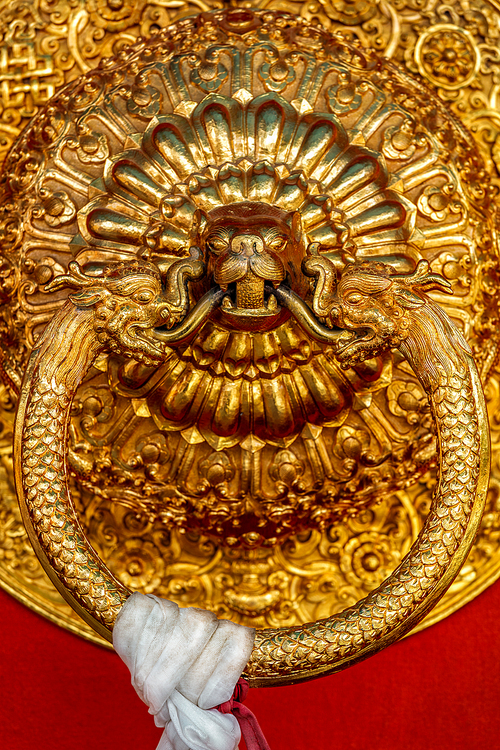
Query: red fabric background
x,y
438,690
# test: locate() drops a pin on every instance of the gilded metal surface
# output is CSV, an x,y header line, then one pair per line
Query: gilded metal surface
x,y
322,570
201,172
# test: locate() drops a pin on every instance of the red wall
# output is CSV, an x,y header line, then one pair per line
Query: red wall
x,y
438,690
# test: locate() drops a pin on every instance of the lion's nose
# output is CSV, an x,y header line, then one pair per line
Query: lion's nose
x,y
247,244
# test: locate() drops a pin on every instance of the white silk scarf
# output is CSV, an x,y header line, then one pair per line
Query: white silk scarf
x,y
183,662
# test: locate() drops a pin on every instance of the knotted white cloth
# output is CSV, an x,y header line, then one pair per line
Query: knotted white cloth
x,y
183,662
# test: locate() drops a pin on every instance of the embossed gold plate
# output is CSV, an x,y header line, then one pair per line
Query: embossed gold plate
x,y
315,573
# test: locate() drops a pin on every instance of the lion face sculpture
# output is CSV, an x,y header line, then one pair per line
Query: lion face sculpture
x,y
248,245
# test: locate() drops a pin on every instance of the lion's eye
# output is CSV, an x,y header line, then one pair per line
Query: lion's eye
x,y
277,243
354,298
143,297
217,244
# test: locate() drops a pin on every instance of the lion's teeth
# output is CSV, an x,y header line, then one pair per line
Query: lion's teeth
x,y
272,304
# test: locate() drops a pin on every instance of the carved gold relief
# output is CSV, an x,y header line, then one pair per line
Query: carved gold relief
x,y
137,435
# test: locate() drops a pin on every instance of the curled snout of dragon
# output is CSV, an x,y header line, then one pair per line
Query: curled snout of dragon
x,y
138,311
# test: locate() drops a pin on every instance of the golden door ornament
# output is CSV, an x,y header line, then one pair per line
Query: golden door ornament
x,y
234,251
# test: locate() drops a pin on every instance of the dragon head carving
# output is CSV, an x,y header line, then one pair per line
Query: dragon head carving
x,y
371,302
130,301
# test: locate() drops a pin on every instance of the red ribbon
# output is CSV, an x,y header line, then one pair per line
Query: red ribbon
x,y
250,729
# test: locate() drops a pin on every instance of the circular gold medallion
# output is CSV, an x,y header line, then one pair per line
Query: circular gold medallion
x,y
249,473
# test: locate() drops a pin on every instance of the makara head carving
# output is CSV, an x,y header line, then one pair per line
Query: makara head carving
x,y
371,303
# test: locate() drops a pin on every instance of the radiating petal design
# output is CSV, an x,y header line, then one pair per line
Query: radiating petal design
x,y
225,152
